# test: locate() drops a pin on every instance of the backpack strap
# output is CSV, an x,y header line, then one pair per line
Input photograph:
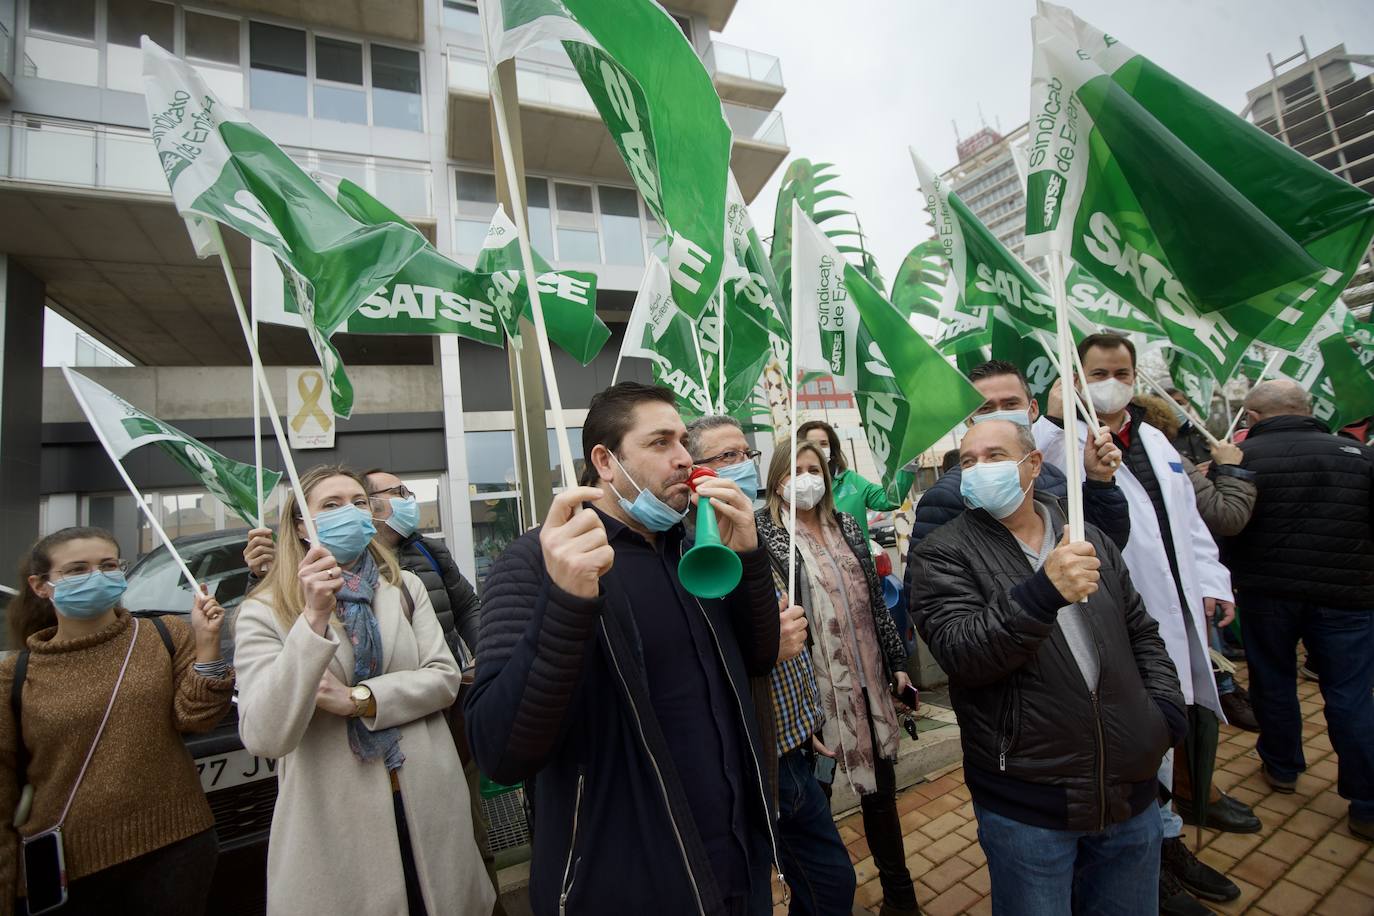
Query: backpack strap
x,y
21,751
407,602
166,635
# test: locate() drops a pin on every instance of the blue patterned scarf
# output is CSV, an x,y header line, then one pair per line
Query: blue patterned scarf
x,y
360,624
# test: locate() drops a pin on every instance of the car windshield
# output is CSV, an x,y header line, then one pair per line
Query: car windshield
x,y
156,583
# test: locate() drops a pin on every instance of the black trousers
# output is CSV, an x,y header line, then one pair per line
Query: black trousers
x,y
171,881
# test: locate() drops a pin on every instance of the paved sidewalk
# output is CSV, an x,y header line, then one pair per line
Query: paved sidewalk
x,y
1303,861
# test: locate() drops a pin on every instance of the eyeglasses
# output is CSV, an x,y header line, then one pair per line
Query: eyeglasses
x,y
733,456
401,490
110,568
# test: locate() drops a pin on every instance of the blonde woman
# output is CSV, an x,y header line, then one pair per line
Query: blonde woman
x,y
856,653
343,675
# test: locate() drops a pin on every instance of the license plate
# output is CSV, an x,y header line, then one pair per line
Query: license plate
x,y
224,771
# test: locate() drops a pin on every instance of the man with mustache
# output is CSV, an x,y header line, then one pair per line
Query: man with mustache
x,y
625,698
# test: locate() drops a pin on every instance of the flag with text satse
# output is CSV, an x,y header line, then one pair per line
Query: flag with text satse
x,y
661,108
1337,376
568,297
908,395
223,169
1218,232
660,332
126,428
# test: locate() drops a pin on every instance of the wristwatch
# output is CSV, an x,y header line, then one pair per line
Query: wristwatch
x,y
363,702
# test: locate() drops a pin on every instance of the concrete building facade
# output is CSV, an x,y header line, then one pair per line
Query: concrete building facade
x,y
389,93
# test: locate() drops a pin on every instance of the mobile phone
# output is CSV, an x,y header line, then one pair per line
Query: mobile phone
x,y
910,696
825,769
45,872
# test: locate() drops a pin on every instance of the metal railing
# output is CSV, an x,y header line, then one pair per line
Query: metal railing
x,y
742,63
106,157
759,125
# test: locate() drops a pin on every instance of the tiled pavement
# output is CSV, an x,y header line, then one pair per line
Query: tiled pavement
x,y
1303,861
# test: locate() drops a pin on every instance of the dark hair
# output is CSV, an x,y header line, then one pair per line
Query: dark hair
x,y
1106,341
951,460
27,612
995,367
611,415
837,462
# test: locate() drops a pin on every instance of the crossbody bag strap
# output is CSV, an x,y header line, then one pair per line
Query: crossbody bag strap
x,y
101,730
21,750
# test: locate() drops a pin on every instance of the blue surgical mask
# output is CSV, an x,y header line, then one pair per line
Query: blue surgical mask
x,y
1019,417
994,486
345,532
87,596
745,473
647,509
405,516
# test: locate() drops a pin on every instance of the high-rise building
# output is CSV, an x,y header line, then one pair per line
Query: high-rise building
x,y
990,178
1323,107
389,93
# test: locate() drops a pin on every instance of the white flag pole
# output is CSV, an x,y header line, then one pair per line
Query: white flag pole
x,y
1051,354
1268,367
792,388
1072,459
1192,416
1085,399
701,365
517,199
272,415
257,422
720,352
128,481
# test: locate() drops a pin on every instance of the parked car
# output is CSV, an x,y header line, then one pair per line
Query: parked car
x,y
241,787
882,528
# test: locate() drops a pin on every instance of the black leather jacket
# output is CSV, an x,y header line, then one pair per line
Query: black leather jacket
x,y
1039,746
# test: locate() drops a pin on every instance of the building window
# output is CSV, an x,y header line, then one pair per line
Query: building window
x,y
827,386
539,215
276,76
685,24
831,405
212,38
396,88
129,19
620,228
811,388
339,92
71,55
577,239
475,207
462,15
556,466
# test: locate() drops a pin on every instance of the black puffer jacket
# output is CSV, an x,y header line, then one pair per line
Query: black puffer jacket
x,y
455,602
1311,536
1039,747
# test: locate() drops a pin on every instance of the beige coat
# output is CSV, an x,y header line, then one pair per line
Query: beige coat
x,y
333,847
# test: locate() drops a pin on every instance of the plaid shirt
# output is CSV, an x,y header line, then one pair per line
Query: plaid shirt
x,y
796,702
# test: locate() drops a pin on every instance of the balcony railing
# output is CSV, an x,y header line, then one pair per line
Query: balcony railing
x,y
760,125
743,63
112,158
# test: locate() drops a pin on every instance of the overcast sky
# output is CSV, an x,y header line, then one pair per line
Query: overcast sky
x,y
868,78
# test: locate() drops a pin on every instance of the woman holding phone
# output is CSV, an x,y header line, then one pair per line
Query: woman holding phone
x,y
856,653
344,675
109,810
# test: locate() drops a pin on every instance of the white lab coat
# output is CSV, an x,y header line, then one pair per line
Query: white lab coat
x,y
1200,570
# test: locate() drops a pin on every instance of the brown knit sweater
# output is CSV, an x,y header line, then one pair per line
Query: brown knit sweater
x,y
141,791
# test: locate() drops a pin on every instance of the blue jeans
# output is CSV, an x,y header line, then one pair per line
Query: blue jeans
x,y
1036,871
814,860
1338,645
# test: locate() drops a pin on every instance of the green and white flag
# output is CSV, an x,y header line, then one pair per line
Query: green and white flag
x,y
1192,378
568,297
222,169
1103,308
1214,229
659,332
908,395
661,108
1337,376
123,428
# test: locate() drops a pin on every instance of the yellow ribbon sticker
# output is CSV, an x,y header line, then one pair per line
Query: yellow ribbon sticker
x,y
310,402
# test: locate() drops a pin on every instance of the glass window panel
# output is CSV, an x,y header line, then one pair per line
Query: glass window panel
x,y
578,245
491,461
556,466
61,61
277,68
574,204
469,234
495,523
540,216
212,38
462,16
404,190
338,61
620,227
351,169
132,162
396,88
53,154
123,68
74,18
128,19
476,194
334,103
226,84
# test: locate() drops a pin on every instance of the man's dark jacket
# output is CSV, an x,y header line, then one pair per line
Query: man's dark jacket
x,y
1104,505
455,602
561,692
1311,536
1039,746
1191,443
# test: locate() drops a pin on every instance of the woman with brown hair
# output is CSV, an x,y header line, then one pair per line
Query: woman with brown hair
x,y
94,777
344,676
852,493
856,653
